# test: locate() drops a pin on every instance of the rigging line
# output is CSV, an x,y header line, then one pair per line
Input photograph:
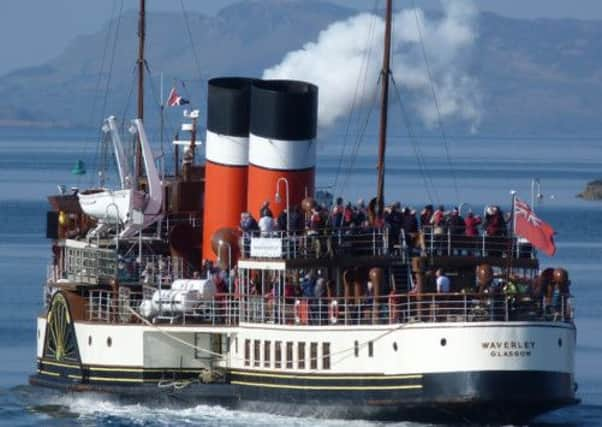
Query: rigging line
x,y
430,187
102,62
167,123
436,101
191,39
362,129
111,64
428,182
363,72
97,87
128,99
359,140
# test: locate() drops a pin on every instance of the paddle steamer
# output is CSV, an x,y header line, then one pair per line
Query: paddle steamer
x,y
129,309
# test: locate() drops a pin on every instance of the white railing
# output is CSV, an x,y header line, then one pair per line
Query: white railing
x,y
229,309
450,244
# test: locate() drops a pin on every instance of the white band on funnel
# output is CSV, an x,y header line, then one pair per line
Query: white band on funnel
x,y
282,155
227,150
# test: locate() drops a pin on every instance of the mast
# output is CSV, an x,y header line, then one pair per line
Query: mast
x,y
382,142
141,64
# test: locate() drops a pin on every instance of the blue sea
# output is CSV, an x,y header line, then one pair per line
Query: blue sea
x,y
479,171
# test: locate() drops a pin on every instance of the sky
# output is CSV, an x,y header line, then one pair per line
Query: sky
x,y
34,31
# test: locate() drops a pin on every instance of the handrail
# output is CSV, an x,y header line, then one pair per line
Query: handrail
x,y
456,244
394,309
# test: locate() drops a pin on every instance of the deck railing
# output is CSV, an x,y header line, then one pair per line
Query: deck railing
x,y
229,309
454,244
128,307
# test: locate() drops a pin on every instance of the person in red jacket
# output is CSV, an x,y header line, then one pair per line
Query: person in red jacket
x,y
472,223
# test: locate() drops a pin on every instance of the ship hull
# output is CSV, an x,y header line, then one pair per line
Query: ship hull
x,y
500,397
506,397
520,370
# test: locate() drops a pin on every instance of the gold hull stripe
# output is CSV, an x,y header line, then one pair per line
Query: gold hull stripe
x,y
62,365
128,380
53,374
341,388
322,377
102,368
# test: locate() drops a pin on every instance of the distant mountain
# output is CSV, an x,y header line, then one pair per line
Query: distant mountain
x,y
537,76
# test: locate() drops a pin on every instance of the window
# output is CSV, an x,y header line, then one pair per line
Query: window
x,y
266,353
247,352
256,352
236,345
313,355
326,355
289,355
370,349
301,355
356,349
278,354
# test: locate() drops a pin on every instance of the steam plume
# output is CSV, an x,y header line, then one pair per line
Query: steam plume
x,y
349,53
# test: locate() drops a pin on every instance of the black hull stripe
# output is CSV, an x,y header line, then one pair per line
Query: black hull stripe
x,y
281,170
225,165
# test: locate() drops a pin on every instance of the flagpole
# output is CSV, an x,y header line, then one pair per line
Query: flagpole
x,y
162,128
513,193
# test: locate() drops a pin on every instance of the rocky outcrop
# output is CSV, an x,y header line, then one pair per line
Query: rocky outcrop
x,y
593,191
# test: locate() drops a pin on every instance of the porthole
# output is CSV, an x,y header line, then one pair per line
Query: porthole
x,y
89,339
559,342
395,346
443,342
109,342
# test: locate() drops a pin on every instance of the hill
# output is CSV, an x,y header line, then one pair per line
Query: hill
x,y
536,76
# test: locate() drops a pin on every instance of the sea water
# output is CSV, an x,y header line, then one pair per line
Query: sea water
x,y
479,171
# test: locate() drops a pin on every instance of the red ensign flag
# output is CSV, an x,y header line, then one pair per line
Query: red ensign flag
x,y
529,226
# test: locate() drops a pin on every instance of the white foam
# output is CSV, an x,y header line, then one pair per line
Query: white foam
x,y
91,406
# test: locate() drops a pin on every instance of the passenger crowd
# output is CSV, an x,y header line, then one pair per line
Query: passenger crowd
x,y
316,219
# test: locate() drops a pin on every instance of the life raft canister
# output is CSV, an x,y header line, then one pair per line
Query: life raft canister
x,y
301,310
333,312
297,311
393,303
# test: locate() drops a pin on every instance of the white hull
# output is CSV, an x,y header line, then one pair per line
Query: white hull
x,y
409,349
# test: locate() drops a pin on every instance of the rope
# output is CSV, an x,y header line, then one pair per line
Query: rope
x,y
358,143
436,101
428,181
102,62
363,72
191,39
174,338
109,78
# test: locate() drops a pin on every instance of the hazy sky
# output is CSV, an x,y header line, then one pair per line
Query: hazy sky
x,y
33,31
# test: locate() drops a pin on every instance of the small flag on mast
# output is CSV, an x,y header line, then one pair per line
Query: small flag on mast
x,y
532,228
173,100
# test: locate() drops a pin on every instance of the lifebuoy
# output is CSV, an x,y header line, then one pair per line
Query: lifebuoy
x,y
333,312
